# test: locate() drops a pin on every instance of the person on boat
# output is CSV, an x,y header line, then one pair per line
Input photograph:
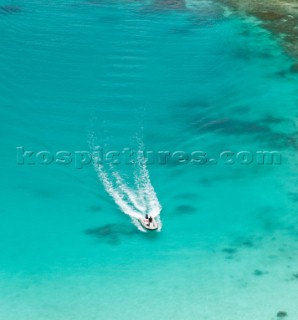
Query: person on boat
x,y
147,219
150,220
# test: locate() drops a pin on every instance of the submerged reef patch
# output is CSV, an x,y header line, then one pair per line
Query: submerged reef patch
x,y
112,233
294,68
295,276
233,126
10,9
280,17
229,250
259,273
187,209
281,314
264,129
248,244
293,196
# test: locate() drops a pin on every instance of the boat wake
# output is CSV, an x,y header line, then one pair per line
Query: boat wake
x,y
136,199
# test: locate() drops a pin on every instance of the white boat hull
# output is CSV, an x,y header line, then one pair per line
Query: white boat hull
x,y
152,226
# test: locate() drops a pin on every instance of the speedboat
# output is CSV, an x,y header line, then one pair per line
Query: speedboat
x,y
149,223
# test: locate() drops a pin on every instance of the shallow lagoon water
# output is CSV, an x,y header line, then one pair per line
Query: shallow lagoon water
x,y
182,79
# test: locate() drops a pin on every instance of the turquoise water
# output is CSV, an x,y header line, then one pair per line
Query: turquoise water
x,y
163,76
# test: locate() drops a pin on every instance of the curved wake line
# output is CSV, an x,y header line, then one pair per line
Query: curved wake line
x,y
136,202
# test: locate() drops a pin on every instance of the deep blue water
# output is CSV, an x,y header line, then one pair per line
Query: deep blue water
x,y
157,77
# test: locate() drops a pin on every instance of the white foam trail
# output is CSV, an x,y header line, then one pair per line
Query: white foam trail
x,y
137,201
116,193
132,196
145,187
